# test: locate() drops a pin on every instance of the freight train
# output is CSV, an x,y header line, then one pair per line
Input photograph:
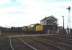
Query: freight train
x,y
35,28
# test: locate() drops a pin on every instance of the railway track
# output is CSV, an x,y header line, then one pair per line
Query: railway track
x,y
18,45
57,42
37,42
24,44
38,45
57,38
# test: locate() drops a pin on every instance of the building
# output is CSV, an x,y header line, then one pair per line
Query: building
x,y
50,24
51,20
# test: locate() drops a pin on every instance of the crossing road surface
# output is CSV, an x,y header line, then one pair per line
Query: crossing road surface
x,y
20,44
37,45
32,35
17,45
35,42
4,44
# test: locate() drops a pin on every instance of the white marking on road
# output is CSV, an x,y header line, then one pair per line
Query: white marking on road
x,y
11,44
28,44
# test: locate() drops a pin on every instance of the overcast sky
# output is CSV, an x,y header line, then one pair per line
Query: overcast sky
x,y
25,12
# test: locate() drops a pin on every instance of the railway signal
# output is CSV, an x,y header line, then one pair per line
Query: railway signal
x,y
68,25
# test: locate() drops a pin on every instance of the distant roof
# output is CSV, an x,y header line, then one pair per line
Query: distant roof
x,y
50,17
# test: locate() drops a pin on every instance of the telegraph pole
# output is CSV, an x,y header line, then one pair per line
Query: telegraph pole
x,y
63,24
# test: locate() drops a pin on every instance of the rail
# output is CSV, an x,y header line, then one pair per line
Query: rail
x,y
33,35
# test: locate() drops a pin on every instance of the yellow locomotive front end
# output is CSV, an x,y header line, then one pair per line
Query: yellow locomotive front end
x,y
39,28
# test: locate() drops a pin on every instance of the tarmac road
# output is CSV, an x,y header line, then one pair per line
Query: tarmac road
x,y
4,44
